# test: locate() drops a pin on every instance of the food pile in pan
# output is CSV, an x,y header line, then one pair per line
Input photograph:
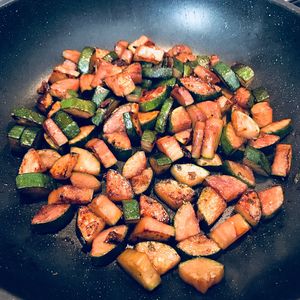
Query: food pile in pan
x,y
149,148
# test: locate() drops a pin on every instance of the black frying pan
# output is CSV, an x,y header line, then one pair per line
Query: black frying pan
x,y
263,34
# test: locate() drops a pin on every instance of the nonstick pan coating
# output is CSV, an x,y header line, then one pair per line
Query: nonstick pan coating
x,y
264,264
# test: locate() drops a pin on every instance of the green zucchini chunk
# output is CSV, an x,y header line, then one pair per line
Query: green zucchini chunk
x,y
27,117
68,126
84,60
78,107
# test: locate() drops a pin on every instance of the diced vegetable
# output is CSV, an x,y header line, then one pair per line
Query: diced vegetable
x,y
61,88
199,89
201,273
102,207
189,174
150,229
170,147
224,104
84,60
118,187
102,152
84,180
161,121
78,107
249,207
88,225
150,54
226,233
206,75
264,141
260,94
179,120
63,167
148,119
131,211
148,140
100,95
108,245
244,98
133,127
210,109
183,137
257,161
282,161
195,114
85,134
32,163
198,136
271,200
227,186
227,75
214,162
173,192
198,245
243,125
30,138
230,141
135,95
28,117
150,207
121,84
162,256
160,163
66,124
134,165
186,223
153,99
48,157
244,73
210,205
14,136
139,266
212,135
280,128
52,218
87,162
157,73
140,183
71,195
168,82
262,114
182,96
240,172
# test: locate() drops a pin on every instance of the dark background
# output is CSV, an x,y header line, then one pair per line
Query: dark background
x,y
32,36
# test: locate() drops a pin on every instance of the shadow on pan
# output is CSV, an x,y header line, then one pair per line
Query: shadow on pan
x,y
33,34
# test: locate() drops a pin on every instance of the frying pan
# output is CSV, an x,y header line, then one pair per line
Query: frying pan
x,y
266,263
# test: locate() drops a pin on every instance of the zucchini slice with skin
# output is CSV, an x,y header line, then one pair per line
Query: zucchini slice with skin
x,y
173,193
150,229
70,194
78,107
48,157
226,233
243,98
160,163
262,114
198,245
141,182
86,133
102,152
120,144
36,185
186,223
148,140
189,174
102,207
150,207
52,218
280,128
249,207
163,257
227,75
240,172
179,120
271,200
201,273
170,147
84,180
244,126
133,127
182,96
161,121
139,266
30,138
244,73
54,132
87,162
118,188
84,60
210,205
227,186
211,109
88,225
108,245
32,163
260,94
264,141
153,99
183,137
100,95
148,119
67,125
214,162
14,136
27,117
157,73
135,165
64,166
131,211
257,161
282,161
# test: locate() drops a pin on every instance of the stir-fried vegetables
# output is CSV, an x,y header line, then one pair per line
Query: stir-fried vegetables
x,y
119,124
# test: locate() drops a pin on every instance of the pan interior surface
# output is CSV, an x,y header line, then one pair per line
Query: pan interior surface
x,y
34,33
